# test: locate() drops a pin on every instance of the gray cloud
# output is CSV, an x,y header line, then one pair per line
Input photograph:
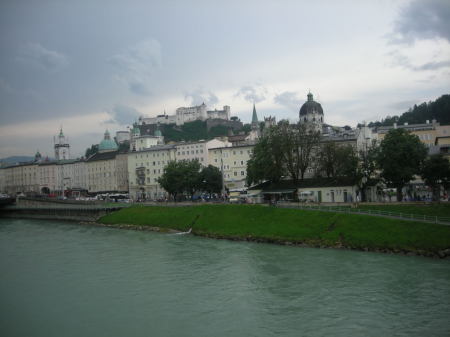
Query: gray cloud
x,y
422,20
123,114
289,100
401,60
433,65
136,65
37,55
252,94
138,88
199,96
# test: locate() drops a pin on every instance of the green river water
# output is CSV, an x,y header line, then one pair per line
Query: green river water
x,y
65,279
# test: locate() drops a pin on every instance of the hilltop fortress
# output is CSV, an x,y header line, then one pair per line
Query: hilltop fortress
x,y
188,114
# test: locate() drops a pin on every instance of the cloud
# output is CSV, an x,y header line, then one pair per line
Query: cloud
x,y
422,20
401,60
433,65
37,55
289,100
138,88
252,94
199,96
123,114
136,65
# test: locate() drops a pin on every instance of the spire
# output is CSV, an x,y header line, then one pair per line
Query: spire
x,y
254,116
310,97
107,136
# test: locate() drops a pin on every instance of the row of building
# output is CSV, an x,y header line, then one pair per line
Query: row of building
x,y
135,170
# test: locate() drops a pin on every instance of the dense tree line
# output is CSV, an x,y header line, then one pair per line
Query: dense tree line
x,y
439,110
192,131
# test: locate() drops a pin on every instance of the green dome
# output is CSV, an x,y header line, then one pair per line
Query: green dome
x,y
136,131
107,144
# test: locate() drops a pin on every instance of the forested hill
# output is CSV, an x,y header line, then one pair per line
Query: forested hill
x,y
439,110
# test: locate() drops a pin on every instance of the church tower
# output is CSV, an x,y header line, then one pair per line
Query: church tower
x,y
311,114
255,132
255,123
62,147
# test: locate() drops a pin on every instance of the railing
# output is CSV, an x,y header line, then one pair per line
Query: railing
x,y
348,209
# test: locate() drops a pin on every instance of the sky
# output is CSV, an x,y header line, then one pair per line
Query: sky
x,y
88,66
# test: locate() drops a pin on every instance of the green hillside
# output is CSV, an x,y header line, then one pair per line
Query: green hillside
x,y
439,110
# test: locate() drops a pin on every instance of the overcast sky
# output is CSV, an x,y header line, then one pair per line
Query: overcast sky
x,y
96,65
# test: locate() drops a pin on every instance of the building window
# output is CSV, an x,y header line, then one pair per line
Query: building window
x,y
242,173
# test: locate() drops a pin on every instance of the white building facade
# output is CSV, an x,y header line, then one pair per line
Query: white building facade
x,y
232,162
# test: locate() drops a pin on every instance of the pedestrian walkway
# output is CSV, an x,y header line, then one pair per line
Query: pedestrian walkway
x,y
379,213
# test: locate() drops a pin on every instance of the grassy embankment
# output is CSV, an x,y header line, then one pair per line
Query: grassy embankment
x,y
435,209
280,225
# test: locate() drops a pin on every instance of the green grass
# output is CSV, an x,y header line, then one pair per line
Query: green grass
x,y
441,209
278,224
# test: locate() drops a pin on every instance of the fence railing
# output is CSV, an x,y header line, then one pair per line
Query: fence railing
x,y
356,210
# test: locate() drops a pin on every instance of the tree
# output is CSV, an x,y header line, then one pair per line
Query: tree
x,y
191,176
172,179
91,150
283,150
436,172
211,179
266,162
298,144
400,157
337,161
367,167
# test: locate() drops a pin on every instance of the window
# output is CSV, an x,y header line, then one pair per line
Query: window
x,y
235,174
242,173
242,162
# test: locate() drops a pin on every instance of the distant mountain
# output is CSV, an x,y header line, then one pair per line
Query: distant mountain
x,y
15,159
439,110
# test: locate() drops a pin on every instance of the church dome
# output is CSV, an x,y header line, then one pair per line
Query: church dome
x,y
311,106
158,133
107,144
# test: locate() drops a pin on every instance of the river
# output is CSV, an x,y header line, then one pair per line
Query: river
x,y
65,279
